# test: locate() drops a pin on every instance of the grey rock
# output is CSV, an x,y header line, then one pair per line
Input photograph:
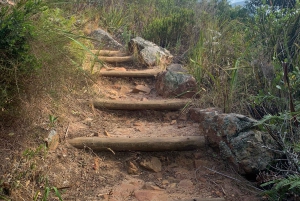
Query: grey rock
x,y
105,41
175,83
176,68
149,53
236,138
141,88
52,141
152,164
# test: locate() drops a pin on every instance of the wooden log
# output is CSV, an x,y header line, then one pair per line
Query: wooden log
x,y
139,144
116,59
205,199
166,104
108,53
137,73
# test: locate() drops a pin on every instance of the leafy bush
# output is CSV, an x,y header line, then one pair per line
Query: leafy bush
x,y
41,59
16,30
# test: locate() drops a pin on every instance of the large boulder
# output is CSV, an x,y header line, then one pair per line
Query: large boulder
x,y
149,53
174,82
236,138
104,40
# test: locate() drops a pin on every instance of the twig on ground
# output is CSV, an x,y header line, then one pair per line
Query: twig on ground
x,y
111,151
66,133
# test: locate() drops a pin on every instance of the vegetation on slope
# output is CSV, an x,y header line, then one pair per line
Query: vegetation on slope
x,y
245,59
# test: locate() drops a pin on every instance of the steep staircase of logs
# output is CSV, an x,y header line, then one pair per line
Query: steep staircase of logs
x,y
170,135
118,65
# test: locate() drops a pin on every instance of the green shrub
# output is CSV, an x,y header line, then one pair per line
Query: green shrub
x,y
40,53
275,36
16,30
113,18
217,61
283,188
168,30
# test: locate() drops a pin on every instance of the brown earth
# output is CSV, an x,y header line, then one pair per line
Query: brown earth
x,y
27,169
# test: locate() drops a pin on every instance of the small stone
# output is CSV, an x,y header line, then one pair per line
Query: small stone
x,y
103,197
183,117
220,194
142,195
159,176
96,165
120,69
113,93
181,126
152,164
52,140
173,185
141,88
170,116
151,186
203,180
198,155
140,129
118,87
186,184
165,182
137,123
173,122
144,99
132,169
112,97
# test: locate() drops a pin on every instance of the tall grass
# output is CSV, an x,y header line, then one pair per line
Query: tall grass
x,y
41,60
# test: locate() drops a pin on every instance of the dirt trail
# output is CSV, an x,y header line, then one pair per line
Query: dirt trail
x,y
119,176
114,176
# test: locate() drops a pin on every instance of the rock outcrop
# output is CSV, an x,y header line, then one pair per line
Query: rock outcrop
x,y
104,40
149,53
174,82
236,138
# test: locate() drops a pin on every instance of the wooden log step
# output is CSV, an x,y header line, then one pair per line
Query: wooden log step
x,y
166,104
204,199
116,59
109,53
130,73
139,144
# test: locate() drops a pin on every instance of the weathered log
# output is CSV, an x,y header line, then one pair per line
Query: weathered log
x,y
205,199
116,59
137,73
166,104
139,144
108,53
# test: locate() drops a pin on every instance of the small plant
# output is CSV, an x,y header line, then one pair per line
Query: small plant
x,y
32,153
46,194
52,120
283,188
